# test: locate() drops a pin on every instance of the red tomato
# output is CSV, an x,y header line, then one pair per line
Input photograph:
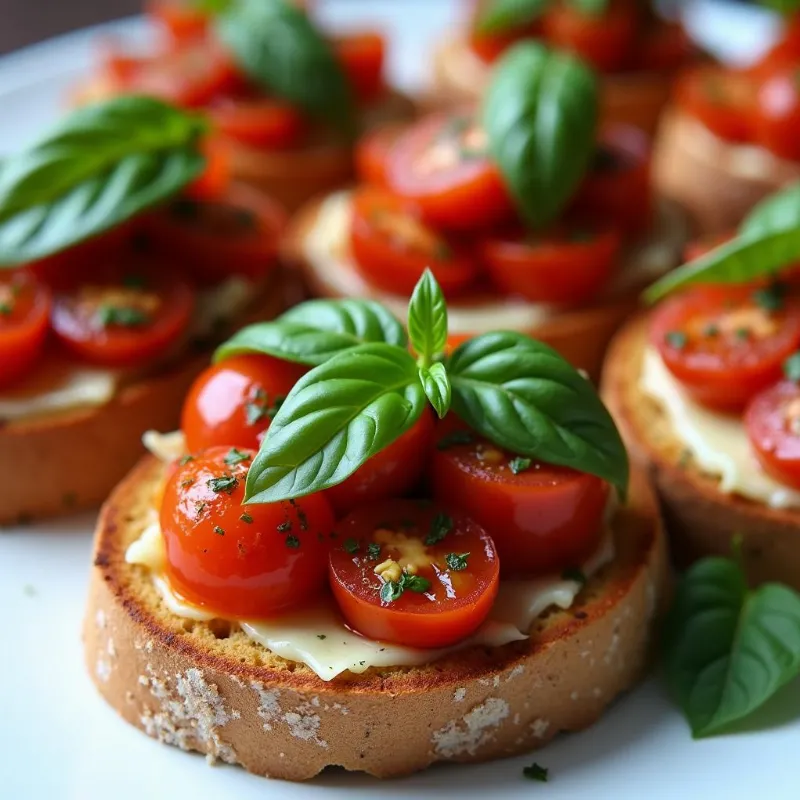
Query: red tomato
x,y
777,120
233,402
440,602
216,178
543,518
391,473
442,164
372,152
392,247
785,52
179,18
123,316
236,234
567,265
361,56
722,344
663,47
258,121
241,561
773,425
723,100
24,314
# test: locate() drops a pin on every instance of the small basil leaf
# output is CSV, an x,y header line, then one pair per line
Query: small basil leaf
x,y
277,46
525,397
437,387
427,318
336,417
540,114
729,649
315,331
499,16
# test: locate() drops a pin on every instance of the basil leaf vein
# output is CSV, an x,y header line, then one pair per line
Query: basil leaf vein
x,y
500,16
437,387
427,318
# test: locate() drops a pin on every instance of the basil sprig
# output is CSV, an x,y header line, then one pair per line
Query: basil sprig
x,y
101,166
728,648
540,115
275,43
768,240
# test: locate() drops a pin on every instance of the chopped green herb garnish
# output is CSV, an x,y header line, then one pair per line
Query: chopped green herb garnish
x,y
225,483
284,526
676,339
186,482
391,590
771,297
535,773
293,542
321,636
350,546
219,531
259,407
246,518
456,562
712,329
573,574
441,525
455,438
301,515
235,457
519,464
791,367
123,316
743,333
373,551
6,309
184,460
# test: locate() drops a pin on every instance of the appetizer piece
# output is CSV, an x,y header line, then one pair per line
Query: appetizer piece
x,y
124,255
329,600
705,391
636,52
530,218
284,98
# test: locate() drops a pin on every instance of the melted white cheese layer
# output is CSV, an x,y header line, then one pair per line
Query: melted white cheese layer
x,y
718,442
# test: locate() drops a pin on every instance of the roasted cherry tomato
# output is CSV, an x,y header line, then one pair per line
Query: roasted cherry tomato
x,y
442,164
727,343
372,152
723,100
124,315
777,119
246,561
361,56
772,420
24,315
413,573
257,121
392,247
391,473
663,46
233,402
543,518
568,264
236,234
182,20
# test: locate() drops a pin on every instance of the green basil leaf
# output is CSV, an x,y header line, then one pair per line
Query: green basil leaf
x,y
525,397
427,318
101,166
277,46
778,212
437,387
781,6
540,114
336,417
591,8
315,331
729,649
499,16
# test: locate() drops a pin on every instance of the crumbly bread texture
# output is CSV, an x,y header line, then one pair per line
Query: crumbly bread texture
x,y
717,182
701,520
207,687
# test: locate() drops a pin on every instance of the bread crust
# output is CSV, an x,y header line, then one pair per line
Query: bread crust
x,y
717,182
701,519
233,700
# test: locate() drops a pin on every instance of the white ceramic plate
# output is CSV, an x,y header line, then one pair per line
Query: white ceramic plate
x,y
59,740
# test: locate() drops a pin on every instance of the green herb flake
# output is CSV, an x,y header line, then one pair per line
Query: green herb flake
x,y
321,636
676,339
519,464
219,531
235,457
373,551
199,507
293,542
350,546
284,526
455,438
573,574
535,772
742,334
791,367
224,483
770,298
456,562
246,518
187,482
391,591
121,316
6,308
184,460
301,515
441,525
712,329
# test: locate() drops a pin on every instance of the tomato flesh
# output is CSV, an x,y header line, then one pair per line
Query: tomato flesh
x,y
361,56
258,122
391,537
372,153
24,315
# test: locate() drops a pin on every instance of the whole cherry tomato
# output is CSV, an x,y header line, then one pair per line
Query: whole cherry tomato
x,y
362,56
777,119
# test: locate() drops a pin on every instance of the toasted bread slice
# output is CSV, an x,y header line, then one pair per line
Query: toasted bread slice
x,y
207,687
700,518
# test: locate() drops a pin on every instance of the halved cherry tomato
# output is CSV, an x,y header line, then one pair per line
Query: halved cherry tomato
x,y
236,234
391,473
247,561
568,264
182,20
777,120
392,247
24,315
662,47
723,100
726,343
123,315
258,121
442,164
773,425
361,56
233,402
543,518
411,572
372,152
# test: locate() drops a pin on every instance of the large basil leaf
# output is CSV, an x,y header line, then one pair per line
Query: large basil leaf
x,y
427,318
525,397
101,166
277,46
499,16
729,649
315,331
540,114
335,418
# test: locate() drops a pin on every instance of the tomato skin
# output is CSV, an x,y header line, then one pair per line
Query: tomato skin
x,y
663,47
728,349
777,119
258,122
181,21
24,315
361,56
232,403
392,248
391,473
216,178
372,152
772,420
240,569
433,619
543,520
